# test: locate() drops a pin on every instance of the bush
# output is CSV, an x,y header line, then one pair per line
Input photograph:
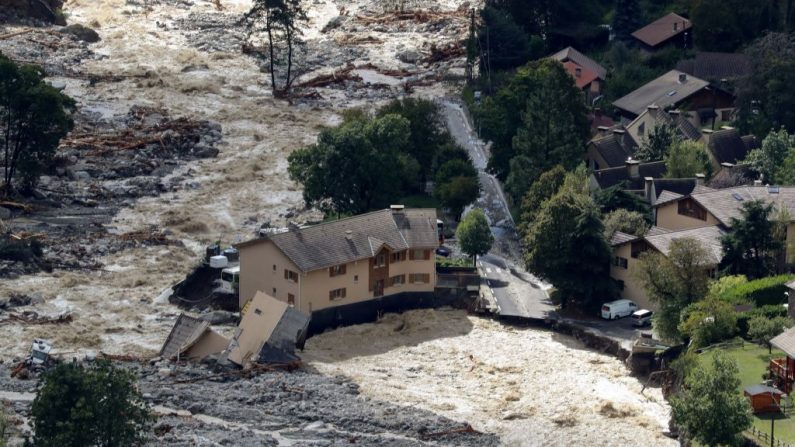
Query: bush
x,y
760,292
770,312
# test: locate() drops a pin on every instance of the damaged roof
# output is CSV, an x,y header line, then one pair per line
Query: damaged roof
x,y
186,331
354,238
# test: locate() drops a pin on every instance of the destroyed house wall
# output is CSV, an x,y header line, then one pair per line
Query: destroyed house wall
x,y
262,267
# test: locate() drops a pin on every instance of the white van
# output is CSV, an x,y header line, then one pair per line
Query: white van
x,y
641,317
617,309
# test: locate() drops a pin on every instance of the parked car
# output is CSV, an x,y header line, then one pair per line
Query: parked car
x,y
642,317
443,251
617,309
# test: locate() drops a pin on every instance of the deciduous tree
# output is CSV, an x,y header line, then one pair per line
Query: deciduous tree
x,y
687,158
96,405
750,248
34,116
566,246
709,408
630,222
769,159
474,234
656,145
456,185
674,281
708,321
763,329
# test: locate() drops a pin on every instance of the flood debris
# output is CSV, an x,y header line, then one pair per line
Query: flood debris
x,y
269,332
192,339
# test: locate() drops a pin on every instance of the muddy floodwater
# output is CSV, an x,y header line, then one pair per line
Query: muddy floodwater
x,y
532,387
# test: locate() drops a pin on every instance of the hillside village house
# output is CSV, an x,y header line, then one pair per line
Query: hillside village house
x,y
588,75
696,98
670,29
704,215
346,269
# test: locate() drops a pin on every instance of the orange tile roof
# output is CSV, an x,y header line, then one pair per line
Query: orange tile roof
x,y
586,76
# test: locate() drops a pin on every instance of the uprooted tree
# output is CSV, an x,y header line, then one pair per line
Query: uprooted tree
x,y
280,21
33,119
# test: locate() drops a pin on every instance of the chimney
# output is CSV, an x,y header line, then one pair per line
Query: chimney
x,y
682,78
757,182
648,189
727,127
674,113
727,165
292,226
652,107
603,130
700,179
633,168
349,235
397,209
706,134
578,72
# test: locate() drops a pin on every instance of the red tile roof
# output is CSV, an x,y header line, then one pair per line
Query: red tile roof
x,y
585,77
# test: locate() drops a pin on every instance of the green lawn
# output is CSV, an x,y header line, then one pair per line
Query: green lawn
x,y
752,361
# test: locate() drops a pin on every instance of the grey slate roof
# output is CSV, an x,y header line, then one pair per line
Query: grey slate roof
x,y
754,390
619,237
786,342
184,334
662,29
327,244
678,121
570,54
663,92
727,146
709,237
667,196
727,203
614,149
716,66
614,176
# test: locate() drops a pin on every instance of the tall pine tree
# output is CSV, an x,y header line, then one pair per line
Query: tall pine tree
x,y
627,18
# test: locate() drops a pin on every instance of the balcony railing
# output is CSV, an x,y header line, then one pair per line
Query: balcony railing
x,y
778,367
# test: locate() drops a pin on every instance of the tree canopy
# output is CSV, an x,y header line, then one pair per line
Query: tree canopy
x,y
708,321
89,405
474,234
674,282
769,160
764,329
765,98
655,146
630,222
627,18
551,128
709,408
687,158
750,247
566,246
547,185
369,162
34,117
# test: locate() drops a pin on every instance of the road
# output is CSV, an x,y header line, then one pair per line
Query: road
x,y
516,292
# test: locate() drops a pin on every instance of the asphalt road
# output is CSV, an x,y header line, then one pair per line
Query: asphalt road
x,y
516,292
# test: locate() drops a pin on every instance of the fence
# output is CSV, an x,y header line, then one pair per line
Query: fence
x,y
764,438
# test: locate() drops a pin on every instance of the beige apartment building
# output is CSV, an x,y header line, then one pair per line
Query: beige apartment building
x,y
344,265
704,215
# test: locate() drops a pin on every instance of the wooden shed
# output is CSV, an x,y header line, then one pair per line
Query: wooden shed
x,y
763,398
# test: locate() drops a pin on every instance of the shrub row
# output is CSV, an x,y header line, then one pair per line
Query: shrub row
x,y
760,292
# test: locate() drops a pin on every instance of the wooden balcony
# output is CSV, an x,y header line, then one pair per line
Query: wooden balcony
x,y
783,375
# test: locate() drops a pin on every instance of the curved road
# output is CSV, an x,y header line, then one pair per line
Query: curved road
x,y
516,292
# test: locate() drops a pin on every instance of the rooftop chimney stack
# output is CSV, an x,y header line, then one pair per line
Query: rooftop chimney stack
x,y
648,189
603,130
757,182
633,168
349,235
706,134
397,209
700,179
